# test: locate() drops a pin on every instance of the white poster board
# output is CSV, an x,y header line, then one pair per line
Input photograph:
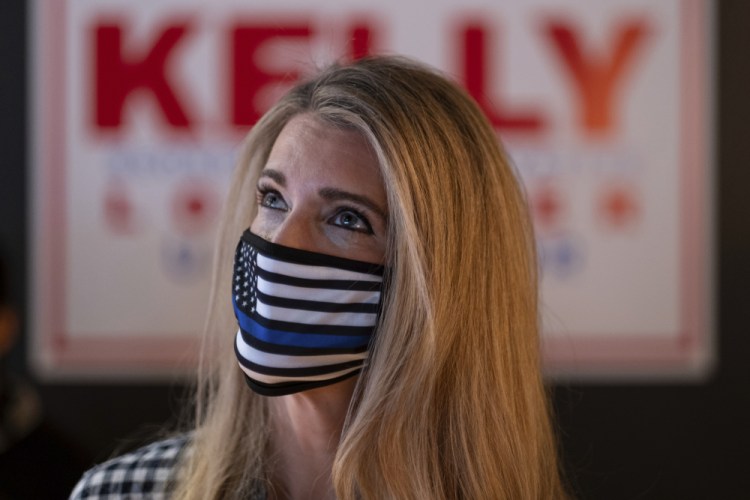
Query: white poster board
x,y
138,106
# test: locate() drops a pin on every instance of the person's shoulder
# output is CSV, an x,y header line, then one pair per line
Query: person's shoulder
x,y
147,472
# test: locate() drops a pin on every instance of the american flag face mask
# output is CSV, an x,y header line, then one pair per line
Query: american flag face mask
x,y
306,319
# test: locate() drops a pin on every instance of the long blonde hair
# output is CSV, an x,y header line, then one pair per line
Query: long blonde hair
x,y
451,402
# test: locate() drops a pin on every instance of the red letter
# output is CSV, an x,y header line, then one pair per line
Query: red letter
x,y
361,41
117,76
596,78
475,65
248,78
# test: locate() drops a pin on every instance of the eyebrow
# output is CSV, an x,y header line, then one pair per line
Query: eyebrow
x,y
333,194
275,175
329,193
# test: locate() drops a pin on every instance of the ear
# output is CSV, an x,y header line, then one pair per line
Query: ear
x,y
8,329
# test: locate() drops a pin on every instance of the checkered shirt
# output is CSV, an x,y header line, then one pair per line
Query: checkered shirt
x,y
147,473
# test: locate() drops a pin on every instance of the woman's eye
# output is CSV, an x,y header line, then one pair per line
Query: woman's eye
x,y
349,219
272,199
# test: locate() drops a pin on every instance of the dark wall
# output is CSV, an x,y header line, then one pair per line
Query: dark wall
x,y
620,441
689,440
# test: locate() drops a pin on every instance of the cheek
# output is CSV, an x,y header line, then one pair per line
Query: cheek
x,y
260,225
379,255
266,222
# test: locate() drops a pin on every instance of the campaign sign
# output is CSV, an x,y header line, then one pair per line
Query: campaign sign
x,y
138,107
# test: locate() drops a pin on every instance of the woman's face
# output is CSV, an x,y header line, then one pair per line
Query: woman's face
x,y
321,191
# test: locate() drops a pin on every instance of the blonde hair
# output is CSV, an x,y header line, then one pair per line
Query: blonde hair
x,y
451,402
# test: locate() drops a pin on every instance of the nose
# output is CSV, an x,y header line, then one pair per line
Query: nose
x,y
295,231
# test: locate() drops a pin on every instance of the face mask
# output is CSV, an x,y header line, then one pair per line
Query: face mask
x,y
306,319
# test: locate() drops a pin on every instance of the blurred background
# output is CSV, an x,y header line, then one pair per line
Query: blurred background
x,y
641,437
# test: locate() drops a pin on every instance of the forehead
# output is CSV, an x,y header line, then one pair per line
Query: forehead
x,y
313,151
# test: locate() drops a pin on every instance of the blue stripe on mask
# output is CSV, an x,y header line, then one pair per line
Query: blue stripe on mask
x,y
326,341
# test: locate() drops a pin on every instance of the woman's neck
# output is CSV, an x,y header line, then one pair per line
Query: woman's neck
x,y
305,433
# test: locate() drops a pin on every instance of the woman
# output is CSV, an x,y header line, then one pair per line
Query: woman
x,y
424,381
